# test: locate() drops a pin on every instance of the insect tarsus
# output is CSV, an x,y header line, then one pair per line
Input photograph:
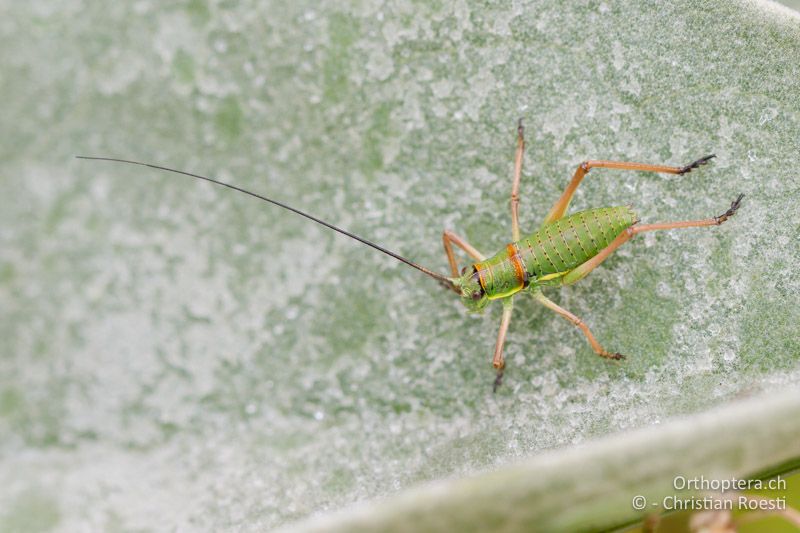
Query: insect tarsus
x,y
696,164
730,212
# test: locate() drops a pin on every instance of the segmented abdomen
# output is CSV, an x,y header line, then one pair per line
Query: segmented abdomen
x,y
570,241
557,247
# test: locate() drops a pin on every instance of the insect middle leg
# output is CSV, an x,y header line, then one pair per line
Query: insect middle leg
x,y
581,272
498,361
515,187
598,349
448,239
560,207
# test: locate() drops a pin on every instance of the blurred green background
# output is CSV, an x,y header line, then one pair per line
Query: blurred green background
x,y
173,355
680,521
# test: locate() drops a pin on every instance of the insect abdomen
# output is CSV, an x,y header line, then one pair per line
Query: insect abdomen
x,y
556,248
570,241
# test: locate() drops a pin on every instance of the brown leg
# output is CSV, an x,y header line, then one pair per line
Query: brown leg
x,y
515,186
560,207
497,361
448,239
541,298
580,272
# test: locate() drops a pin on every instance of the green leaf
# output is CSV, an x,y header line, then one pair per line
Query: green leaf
x,y
217,363
591,487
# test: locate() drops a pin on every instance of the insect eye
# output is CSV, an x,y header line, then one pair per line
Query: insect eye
x,y
477,295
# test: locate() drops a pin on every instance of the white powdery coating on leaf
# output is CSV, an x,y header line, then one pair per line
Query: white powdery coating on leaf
x,y
179,356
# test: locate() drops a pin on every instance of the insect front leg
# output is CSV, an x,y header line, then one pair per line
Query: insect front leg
x,y
599,350
560,207
497,361
583,270
515,186
448,239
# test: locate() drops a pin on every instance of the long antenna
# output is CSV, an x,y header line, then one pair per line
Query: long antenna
x,y
443,279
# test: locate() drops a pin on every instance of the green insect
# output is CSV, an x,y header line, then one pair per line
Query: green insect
x,y
561,252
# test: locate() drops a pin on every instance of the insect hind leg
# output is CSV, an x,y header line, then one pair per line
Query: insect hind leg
x,y
732,211
583,270
561,205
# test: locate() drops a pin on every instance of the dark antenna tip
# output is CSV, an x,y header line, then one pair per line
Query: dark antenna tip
x,y
434,275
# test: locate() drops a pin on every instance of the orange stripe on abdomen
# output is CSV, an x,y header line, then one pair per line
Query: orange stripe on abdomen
x,y
480,268
516,262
